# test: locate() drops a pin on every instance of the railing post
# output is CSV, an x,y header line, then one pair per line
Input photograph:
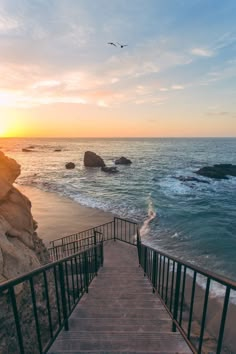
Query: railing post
x,y
95,251
154,271
222,325
139,246
85,256
101,250
17,320
114,228
63,296
145,261
177,289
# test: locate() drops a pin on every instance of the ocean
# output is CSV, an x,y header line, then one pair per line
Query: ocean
x,y
194,221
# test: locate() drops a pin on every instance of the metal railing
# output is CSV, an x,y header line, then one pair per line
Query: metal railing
x,y
118,229
39,303
66,249
187,293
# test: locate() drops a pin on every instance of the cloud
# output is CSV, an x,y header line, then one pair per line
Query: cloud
x,y
8,24
202,52
177,87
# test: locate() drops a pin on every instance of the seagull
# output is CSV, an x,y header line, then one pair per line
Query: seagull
x,y
111,43
122,45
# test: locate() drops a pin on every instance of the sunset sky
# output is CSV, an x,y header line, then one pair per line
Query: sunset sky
x,y
59,77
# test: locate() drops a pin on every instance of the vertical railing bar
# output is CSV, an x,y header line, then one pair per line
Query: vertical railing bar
x,y
86,283
159,280
67,285
163,276
57,296
17,319
63,296
191,304
114,229
72,278
77,278
167,280
223,318
145,260
33,297
48,303
81,272
154,275
177,289
182,297
204,315
172,285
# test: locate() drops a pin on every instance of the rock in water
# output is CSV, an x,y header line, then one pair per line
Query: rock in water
x,y
93,160
27,150
112,169
70,165
123,161
218,171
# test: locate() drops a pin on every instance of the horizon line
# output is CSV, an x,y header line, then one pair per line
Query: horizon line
x,y
118,137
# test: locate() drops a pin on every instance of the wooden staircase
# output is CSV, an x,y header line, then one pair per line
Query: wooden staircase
x,y
120,314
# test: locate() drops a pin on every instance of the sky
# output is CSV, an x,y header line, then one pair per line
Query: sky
x,y
176,77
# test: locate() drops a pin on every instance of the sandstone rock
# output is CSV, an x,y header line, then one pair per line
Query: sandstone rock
x,y
93,160
109,169
70,165
218,171
21,251
17,227
123,161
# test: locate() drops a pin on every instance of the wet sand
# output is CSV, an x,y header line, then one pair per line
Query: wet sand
x,y
59,216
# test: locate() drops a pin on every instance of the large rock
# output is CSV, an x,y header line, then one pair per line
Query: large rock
x,y
218,171
21,251
123,161
18,239
93,160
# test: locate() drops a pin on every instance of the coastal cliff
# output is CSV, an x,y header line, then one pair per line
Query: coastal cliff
x,y
21,250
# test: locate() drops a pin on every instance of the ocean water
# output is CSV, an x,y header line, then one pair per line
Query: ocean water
x,y
191,220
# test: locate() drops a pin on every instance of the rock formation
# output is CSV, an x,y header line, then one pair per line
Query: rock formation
x,y
20,248
93,160
21,251
112,169
70,165
218,171
123,161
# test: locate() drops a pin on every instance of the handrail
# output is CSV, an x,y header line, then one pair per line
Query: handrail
x,y
120,229
214,276
46,298
66,249
176,283
103,227
77,234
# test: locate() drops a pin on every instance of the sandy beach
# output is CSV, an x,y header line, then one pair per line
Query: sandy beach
x,y
59,216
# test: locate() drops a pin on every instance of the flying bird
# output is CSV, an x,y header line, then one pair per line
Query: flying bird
x,y
111,43
122,45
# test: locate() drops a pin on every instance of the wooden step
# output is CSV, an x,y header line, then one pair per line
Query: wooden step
x,y
148,342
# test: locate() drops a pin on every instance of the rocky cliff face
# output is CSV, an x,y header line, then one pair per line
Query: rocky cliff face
x,y
21,250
